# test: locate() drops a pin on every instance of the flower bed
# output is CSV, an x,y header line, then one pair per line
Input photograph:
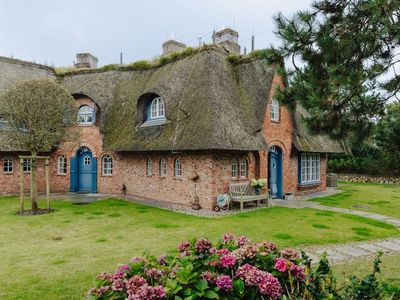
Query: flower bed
x,y
234,268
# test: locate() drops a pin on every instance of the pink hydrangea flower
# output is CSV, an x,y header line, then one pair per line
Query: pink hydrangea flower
x,y
118,285
123,268
228,237
183,246
137,259
249,274
162,260
270,286
105,276
281,264
203,245
224,282
209,276
298,271
243,240
222,251
154,273
290,254
227,261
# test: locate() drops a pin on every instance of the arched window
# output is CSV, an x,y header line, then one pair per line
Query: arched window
x,y
85,115
163,167
178,167
87,160
274,110
244,168
8,166
62,165
234,168
157,109
149,167
107,165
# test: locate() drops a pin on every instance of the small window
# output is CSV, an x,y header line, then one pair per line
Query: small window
x,y
87,160
163,167
107,165
85,115
244,168
310,168
62,165
157,109
8,165
234,168
178,167
26,165
275,110
149,167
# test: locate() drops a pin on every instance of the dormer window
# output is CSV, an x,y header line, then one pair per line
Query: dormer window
x,y
85,115
157,108
151,110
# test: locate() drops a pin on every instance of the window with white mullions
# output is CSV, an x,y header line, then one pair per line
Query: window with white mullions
x,y
275,110
149,167
178,167
62,165
157,109
85,115
107,165
8,165
244,168
26,165
310,168
163,167
234,168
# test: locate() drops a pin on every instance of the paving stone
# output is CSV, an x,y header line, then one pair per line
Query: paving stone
x,y
372,247
389,245
352,251
333,255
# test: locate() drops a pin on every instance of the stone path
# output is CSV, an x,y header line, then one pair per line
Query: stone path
x,y
354,251
344,252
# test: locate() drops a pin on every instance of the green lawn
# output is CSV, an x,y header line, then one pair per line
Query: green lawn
x,y
375,198
57,256
389,270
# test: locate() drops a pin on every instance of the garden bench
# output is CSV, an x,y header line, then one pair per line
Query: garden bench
x,y
239,192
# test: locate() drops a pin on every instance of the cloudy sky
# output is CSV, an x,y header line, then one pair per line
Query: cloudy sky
x,y
53,31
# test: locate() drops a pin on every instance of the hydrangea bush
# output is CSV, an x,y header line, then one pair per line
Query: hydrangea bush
x,y
233,268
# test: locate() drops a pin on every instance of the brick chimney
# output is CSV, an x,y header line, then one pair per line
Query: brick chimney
x,y
229,39
172,46
86,60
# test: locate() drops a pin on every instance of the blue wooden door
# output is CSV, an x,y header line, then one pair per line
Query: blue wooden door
x,y
275,172
86,171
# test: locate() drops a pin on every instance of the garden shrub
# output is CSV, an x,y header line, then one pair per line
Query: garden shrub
x,y
233,268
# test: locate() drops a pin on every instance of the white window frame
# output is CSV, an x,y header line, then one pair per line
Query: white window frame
x,y
62,165
274,110
8,165
26,165
149,167
85,115
310,168
107,165
157,108
244,168
87,160
163,167
178,167
234,168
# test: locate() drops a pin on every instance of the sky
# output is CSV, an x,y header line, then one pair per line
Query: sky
x,y
53,31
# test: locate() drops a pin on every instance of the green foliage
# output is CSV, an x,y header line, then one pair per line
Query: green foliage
x,y
339,50
234,59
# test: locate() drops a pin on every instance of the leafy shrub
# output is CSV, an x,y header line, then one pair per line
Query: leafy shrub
x,y
234,268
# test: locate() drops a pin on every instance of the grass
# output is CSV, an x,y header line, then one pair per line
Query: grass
x,y
375,198
389,271
57,256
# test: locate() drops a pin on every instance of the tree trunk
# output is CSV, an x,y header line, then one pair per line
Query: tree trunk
x,y
34,184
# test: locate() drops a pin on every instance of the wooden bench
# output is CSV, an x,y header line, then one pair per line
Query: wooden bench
x,y
239,192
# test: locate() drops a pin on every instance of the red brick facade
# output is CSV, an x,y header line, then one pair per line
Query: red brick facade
x,y
212,167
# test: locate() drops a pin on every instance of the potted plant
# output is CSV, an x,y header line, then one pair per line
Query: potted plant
x,y
257,184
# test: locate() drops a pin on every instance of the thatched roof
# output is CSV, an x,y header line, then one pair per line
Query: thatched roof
x,y
305,141
210,103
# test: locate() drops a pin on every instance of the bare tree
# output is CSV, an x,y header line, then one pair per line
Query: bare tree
x,y
38,113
